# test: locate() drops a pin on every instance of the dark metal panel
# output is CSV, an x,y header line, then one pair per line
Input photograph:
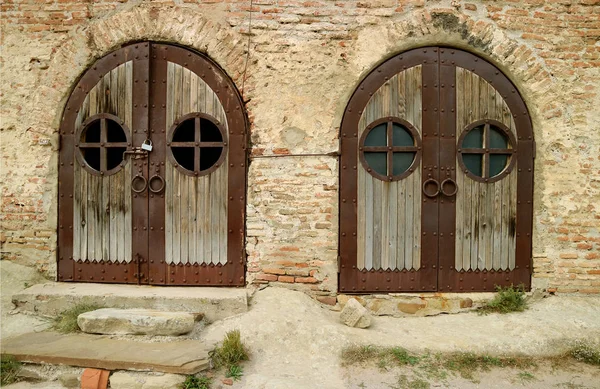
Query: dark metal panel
x,y
352,280
139,201
156,165
447,157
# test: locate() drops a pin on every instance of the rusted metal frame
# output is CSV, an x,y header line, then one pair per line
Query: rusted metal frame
x,y
197,138
81,145
447,165
390,153
352,280
233,272
524,144
417,148
156,165
141,129
390,149
197,116
66,264
103,151
485,151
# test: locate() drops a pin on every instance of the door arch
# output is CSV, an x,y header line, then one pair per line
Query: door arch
x,y
152,175
436,181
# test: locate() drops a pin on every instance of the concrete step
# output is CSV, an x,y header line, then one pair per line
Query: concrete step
x,y
52,298
116,321
103,352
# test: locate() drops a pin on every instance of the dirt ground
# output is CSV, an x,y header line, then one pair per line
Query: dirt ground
x,y
295,342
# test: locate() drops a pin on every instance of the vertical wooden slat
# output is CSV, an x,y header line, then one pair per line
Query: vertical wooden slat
x,y
401,225
200,215
114,210
392,210
176,256
369,222
361,236
409,222
385,225
416,203
511,233
206,220
377,223
169,209
184,212
77,218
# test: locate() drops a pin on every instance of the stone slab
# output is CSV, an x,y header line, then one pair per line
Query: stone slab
x,y
102,352
52,298
116,321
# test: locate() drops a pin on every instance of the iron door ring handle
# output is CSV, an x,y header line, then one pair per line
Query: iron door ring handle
x,y
451,181
133,180
162,183
427,182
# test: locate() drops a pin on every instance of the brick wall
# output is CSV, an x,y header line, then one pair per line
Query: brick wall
x,y
306,59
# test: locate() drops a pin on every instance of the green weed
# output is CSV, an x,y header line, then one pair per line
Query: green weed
x,y
235,372
508,299
405,383
194,382
66,321
231,352
9,368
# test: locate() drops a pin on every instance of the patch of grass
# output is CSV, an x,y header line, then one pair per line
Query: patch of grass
x,y
508,299
231,352
235,372
194,382
9,368
585,352
405,383
385,356
466,364
66,321
525,376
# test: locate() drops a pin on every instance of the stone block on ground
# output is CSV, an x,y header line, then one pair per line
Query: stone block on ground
x,y
134,380
355,315
113,321
69,380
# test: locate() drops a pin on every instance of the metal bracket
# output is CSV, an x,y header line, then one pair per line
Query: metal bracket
x,y
137,152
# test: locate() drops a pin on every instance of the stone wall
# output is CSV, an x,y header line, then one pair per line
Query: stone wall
x,y
305,59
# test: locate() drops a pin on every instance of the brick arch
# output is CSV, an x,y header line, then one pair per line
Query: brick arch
x,y
178,25
448,27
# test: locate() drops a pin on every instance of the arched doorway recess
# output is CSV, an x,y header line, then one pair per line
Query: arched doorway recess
x,y
152,175
436,182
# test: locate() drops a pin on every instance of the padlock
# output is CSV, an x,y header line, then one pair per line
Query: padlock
x,y
147,145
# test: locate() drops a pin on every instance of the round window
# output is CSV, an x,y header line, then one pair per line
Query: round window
x,y
101,142
486,151
197,144
390,148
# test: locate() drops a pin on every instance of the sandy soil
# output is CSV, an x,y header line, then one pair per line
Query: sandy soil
x,y
295,342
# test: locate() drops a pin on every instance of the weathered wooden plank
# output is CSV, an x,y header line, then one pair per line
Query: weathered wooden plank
x,y
200,215
186,88
512,233
193,228
177,97
127,215
206,226
385,225
119,220
184,211
176,256
369,198
417,200
409,222
170,113
377,223
401,225
126,74
361,221
169,207
77,217
223,212
194,102
392,212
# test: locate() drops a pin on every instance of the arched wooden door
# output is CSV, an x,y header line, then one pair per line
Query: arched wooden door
x,y
152,175
436,177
